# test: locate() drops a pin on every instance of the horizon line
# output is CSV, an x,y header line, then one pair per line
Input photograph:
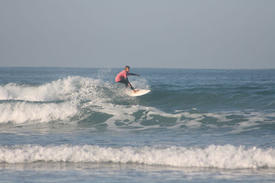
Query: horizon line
x,y
187,68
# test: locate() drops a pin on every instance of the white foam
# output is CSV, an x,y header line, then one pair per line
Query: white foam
x,y
38,103
21,112
125,114
228,156
61,89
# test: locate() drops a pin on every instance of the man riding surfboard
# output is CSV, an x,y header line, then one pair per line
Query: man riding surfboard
x,y
122,77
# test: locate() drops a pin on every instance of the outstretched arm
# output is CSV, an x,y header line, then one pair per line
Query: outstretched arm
x,y
133,74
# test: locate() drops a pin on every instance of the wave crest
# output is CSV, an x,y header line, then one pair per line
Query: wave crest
x,y
61,89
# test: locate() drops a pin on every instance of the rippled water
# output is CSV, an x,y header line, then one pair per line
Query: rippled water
x,y
68,125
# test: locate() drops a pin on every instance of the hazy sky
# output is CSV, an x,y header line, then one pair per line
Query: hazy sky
x,y
141,33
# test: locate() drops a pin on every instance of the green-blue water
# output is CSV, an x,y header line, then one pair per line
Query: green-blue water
x,y
71,125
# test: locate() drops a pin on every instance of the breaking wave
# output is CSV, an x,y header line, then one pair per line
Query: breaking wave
x,y
21,112
213,156
76,98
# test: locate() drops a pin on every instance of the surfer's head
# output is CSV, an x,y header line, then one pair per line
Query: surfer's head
x,y
127,68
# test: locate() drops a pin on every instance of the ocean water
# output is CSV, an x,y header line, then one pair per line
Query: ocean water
x,y
77,125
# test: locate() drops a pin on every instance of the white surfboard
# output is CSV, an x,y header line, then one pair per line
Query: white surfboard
x,y
139,92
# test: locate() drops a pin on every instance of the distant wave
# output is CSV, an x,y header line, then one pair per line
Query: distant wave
x,y
213,156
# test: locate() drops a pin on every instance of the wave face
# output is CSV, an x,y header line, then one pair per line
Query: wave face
x,y
228,156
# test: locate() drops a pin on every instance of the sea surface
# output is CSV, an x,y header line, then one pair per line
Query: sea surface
x,y
78,125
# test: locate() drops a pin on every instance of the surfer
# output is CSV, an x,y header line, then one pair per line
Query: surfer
x,y
122,77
